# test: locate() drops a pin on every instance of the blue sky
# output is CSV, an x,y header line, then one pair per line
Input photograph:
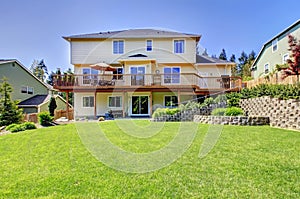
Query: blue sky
x,y
33,29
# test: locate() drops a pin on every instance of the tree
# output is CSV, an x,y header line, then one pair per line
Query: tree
x,y
52,106
39,69
223,55
233,69
242,61
9,112
294,63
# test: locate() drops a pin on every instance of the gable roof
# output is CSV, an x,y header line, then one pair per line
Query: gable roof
x,y
4,61
285,31
204,59
134,33
34,101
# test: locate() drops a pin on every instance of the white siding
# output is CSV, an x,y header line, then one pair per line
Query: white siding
x,y
98,51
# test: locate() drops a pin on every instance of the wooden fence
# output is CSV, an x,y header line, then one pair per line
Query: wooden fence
x,y
63,113
272,79
33,117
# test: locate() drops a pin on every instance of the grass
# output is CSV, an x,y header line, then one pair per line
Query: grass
x,y
247,162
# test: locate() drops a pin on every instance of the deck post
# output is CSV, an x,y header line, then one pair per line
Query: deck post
x,y
95,105
178,97
67,105
151,103
123,104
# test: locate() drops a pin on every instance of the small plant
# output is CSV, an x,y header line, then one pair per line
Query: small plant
x,y
234,111
17,128
10,126
45,119
20,127
218,112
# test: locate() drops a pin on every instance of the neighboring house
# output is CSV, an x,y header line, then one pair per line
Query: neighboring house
x,y
31,93
275,51
40,103
146,69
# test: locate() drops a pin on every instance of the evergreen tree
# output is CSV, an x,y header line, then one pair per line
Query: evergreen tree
x,y
9,112
39,69
234,68
223,55
52,106
242,61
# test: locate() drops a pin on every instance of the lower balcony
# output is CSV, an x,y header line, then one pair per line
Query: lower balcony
x,y
70,82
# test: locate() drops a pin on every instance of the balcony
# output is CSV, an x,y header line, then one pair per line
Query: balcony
x,y
100,82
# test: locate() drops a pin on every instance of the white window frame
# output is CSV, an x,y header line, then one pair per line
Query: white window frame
x,y
147,45
121,101
118,50
183,48
24,89
119,77
91,76
268,68
275,43
172,74
93,99
30,90
171,99
283,58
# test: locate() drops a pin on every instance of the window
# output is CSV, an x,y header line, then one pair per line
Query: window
x,y
274,45
266,68
27,89
118,73
24,89
118,47
115,102
90,76
88,101
171,101
149,45
30,90
285,57
178,46
171,75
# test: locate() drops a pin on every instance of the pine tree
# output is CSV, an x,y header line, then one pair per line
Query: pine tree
x,y
223,55
39,69
234,68
9,112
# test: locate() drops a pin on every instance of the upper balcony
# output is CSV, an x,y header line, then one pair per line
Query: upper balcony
x,y
106,82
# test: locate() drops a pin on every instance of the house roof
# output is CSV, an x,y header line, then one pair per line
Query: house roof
x,y
134,33
285,31
4,61
35,100
204,59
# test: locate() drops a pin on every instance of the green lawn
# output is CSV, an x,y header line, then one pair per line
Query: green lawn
x,y
247,162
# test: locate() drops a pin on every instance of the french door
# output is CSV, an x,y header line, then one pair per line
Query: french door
x,y
140,105
137,75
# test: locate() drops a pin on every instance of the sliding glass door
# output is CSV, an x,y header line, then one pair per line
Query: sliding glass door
x,y
139,105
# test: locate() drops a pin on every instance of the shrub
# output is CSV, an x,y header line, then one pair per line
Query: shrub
x,y
45,119
218,112
10,126
172,111
233,111
29,125
17,128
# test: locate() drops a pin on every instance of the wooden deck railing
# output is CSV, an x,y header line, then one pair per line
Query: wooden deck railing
x,y
148,80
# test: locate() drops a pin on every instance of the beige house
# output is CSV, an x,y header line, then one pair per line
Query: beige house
x,y
132,72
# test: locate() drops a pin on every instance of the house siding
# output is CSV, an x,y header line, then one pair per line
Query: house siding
x,y
90,52
273,58
18,77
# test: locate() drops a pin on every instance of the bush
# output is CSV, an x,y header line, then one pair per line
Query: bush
x,y
218,112
29,125
172,111
10,126
233,111
164,111
20,127
45,119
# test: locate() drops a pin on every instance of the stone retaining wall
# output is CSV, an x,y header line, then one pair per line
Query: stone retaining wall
x,y
232,120
282,113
